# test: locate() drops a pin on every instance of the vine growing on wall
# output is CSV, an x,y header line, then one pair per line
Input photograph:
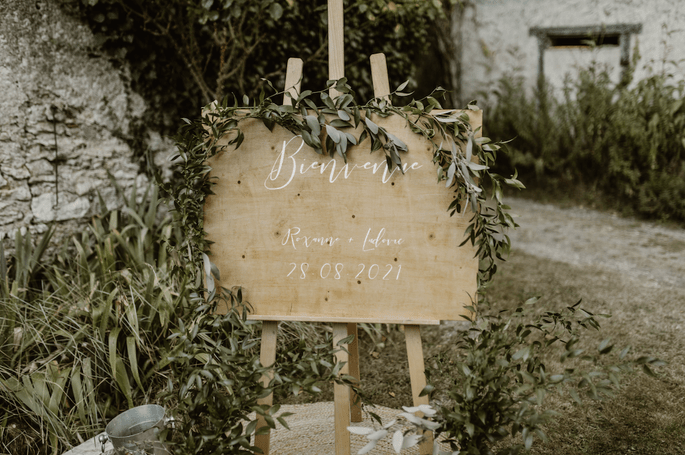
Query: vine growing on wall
x,y
186,53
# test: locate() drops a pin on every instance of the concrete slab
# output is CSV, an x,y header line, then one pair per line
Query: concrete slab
x,y
91,447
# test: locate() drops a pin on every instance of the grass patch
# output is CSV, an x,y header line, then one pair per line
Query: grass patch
x,y
646,416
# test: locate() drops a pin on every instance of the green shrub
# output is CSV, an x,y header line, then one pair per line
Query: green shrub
x,y
184,54
628,141
110,321
81,332
214,378
490,391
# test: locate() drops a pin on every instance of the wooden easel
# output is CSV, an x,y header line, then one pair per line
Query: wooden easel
x,y
346,406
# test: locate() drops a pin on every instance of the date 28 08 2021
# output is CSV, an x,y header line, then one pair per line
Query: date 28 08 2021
x,y
339,271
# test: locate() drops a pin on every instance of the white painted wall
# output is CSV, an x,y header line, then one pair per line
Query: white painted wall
x,y
499,41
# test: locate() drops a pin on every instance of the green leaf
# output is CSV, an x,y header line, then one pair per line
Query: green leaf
x,y
340,123
470,429
575,396
77,390
313,124
528,441
475,166
624,352
122,381
113,336
605,347
450,174
372,126
522,353
648,371
333,133
276,11
397,141
283,422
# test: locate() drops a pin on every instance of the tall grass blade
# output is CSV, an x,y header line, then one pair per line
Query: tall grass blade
x,y
77,390
113,364
123,382
89,390
133,360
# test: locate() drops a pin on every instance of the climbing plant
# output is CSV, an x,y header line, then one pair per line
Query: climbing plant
x,y
186,53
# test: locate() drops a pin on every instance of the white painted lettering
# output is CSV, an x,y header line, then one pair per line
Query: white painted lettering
x,y
288,166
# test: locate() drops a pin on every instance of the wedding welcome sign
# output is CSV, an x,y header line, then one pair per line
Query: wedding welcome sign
x,y
311,237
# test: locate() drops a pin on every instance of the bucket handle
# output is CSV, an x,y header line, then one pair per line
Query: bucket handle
x,y
102,439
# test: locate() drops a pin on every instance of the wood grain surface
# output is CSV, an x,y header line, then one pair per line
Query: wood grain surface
x,y
310,238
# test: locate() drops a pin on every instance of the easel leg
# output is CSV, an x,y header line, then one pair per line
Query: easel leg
x,y
417,374
355,409
341,396
267,357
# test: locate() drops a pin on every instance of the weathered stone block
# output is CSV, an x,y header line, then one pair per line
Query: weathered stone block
x,y
41,171
45,209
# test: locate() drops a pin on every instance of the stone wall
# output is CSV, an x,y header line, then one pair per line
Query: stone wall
x,y
67,117
497,38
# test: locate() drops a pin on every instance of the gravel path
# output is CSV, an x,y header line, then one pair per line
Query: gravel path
x,y
638,250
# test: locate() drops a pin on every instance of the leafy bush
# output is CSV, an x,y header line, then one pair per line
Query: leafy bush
x,y
112,321
626,140
186,53
490,384
81,332
214,382
494,384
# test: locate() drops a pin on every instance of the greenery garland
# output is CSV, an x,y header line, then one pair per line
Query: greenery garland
x,y
463,161
490,388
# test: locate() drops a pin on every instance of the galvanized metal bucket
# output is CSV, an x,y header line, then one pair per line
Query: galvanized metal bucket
x,y
135,432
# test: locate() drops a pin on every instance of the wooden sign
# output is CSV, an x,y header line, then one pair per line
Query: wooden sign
x,y
312,238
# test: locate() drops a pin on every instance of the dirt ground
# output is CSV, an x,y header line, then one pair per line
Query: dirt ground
x,y
647,254
633,270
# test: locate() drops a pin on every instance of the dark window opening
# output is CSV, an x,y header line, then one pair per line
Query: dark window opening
x,y
583,40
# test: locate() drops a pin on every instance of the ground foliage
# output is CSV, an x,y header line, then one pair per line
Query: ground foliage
x,y
82,330
626,140
491,386
215,381
108,321
184,54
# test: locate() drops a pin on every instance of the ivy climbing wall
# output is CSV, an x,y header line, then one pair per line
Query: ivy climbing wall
x,y
69,119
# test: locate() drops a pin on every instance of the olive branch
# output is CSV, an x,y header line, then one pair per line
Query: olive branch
x,y
463,160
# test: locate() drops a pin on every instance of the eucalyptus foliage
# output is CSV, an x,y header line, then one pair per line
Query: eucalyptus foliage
x,y
328,125
214,401
490,391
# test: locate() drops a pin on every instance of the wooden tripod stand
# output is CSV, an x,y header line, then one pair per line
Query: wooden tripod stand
x,y
346,404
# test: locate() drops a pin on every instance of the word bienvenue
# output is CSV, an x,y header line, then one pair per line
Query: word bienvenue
x,y
338,271
287,167
371,241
